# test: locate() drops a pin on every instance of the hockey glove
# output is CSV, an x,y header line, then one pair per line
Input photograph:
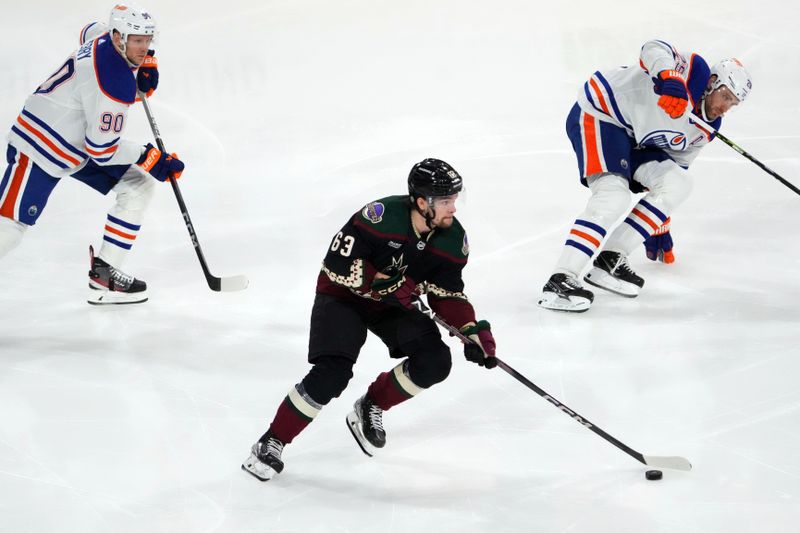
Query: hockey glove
x,y
659,245
482,348
162,167
672,88
398,289
147,77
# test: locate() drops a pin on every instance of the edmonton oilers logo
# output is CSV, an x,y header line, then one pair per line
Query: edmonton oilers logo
x,y
32,210
373,212
665,139
623,163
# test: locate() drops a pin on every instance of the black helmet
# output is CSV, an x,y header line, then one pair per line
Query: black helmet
x,y
431,178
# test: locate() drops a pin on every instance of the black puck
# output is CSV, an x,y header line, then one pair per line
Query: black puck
x,y
653,475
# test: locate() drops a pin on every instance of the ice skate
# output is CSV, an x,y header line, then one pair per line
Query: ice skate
x,y
563,292
108,285
612,273
265,459
365,422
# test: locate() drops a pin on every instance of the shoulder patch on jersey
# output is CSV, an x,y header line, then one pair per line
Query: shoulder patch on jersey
x,y
114,76
465,245
373,212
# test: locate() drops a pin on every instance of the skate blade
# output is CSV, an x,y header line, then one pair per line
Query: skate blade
x,y
107,297
602,279
257,469
355,429
554,302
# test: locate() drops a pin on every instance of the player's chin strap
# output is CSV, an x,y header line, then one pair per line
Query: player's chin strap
x,y
428,215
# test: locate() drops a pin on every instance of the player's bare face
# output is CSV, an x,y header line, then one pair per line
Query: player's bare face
x,y
137,47
720,102
445,209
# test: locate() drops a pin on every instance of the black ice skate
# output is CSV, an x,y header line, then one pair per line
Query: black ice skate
x,y
265,458
365,422
612,273
563,292
108,285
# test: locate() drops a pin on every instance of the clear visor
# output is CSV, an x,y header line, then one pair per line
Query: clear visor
x,y
455,201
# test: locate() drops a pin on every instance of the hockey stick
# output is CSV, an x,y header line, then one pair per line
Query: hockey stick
x,y
674,463
711,130
227,284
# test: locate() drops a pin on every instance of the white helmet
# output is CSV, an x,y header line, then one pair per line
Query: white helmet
x,y
732,74
130,19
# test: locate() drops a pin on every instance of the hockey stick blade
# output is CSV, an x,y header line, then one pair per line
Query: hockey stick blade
x,y
672,463
229,284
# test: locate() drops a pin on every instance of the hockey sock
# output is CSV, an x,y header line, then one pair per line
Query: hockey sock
x,y
582,243
296,412
118,237
393,387
642,222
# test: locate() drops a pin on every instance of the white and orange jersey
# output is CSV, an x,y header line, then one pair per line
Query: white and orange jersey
x,y
625,97
79,113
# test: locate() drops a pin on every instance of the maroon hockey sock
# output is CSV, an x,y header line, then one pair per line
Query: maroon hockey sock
x,y
391,388
295,413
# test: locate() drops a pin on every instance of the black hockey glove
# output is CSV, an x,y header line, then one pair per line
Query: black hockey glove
x,y
482,348
398,289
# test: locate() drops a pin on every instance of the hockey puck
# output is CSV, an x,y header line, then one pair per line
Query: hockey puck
x,y
653,475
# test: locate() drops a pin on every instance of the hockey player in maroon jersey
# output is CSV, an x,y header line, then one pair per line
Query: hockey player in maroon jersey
x,y
387,253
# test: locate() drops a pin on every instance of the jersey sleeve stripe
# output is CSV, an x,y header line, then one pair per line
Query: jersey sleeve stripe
x,y
669,47
94,153
599,96
53,133
93,144
84,31
613,100
35,145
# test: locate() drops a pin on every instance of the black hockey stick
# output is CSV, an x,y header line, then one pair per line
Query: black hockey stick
x,y
711,130
674,463
227,284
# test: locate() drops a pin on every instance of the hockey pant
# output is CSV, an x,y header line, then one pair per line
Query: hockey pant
x,y
25,189
668,186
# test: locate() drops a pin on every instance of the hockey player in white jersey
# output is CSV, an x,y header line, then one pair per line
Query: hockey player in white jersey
x,y
632,132
72,125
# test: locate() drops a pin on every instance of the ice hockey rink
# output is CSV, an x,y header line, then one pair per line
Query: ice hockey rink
x,y
290,116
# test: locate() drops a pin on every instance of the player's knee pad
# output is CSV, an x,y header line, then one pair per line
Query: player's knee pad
x,y
134,190
11,233
610,198
328,378
669,185
431,365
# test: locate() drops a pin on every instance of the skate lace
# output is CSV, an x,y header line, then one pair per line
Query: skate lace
x,y
274,448
376,417
122,278
621,265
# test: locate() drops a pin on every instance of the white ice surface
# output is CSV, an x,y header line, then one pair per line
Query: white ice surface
x,y
292,114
